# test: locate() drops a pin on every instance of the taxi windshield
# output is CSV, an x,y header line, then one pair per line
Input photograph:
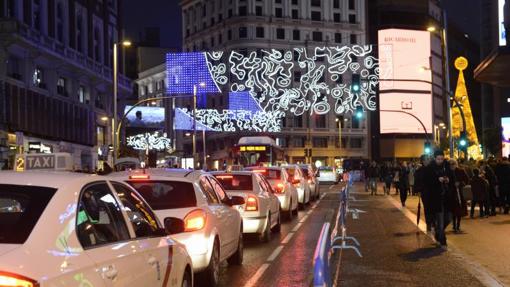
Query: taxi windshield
x,y
235,182
20,209
166,194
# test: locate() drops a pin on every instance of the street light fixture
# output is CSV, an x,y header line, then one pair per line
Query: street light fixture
x,y
202,85
104,118
115,144
431,28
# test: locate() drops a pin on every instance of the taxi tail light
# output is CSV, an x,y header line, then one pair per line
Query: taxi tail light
x,y
139,177
296,182
195,220
251,203
309,181
259,170
279,187
13,280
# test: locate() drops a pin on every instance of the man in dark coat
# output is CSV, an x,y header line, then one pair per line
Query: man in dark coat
x,y
503,176
438,181
457,202
480,190
373,175
403,185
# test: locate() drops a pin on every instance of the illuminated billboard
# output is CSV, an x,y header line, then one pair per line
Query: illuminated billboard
x,y
145,117
505,124
405,55
501,23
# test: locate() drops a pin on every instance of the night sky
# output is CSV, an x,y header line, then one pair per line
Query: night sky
x,y
166,15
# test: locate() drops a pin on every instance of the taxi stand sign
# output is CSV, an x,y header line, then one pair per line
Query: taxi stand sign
x,y
43,161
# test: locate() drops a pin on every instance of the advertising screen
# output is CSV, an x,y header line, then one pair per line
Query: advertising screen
x,y
501,24
505,124
145,117
405,55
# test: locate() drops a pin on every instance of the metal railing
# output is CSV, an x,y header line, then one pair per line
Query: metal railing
x,y
338,240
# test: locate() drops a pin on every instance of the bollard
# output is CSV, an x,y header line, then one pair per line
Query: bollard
x,y
321,269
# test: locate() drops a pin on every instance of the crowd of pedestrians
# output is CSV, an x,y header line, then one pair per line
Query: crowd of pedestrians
x,y
449,189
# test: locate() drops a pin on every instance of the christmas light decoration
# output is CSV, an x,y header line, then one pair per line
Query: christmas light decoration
x,y
149,141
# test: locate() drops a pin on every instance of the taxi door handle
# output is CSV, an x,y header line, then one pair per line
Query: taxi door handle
x,y
110,273
152,261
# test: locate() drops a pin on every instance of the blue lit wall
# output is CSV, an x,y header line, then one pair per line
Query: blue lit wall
x,y
184,70
242,101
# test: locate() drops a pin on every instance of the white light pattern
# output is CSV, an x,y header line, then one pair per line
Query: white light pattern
x,y
235,120
149,141
268,75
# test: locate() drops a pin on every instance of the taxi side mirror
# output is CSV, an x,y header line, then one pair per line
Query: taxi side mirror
x,y
174,225
236,200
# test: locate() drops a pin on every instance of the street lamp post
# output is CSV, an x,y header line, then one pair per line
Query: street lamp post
x,y
115,144
194,139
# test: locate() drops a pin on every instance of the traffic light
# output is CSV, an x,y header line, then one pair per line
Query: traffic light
x,y
359,112
306,152
463,142
355,84
428,148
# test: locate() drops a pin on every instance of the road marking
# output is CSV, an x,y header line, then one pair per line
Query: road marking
x,y
477,270
303,219
287,238
331,187
275,253
257,275
309,212
296,228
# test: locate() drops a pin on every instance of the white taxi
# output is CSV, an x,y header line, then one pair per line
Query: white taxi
x,y
74,229
311,179
212,226
261,211
278,179
297,178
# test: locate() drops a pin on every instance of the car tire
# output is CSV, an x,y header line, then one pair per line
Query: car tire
x,y
290,213
278,227
211,275
186,279
265,236
237,257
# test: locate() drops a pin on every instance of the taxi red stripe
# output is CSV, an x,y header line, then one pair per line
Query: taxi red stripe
x,y
168,266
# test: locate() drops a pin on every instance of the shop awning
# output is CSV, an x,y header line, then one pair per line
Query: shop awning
x,y
495,69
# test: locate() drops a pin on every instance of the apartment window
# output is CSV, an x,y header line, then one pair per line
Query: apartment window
x,y
243,32
299,141
97,48
220,16
278,1
352,5
316,16
278,12
336,17
353,38
229,13
338,37
320,121
316,3
258,10
79,33
356,143
229,35
211,40
242,11
220,39
298,121
352,18
38,78
213,21
295,14
336,4
317,36
356,124
82,97
10,9
99,100
295,2
297,76
14,68
62,86
296,35
60,22
36,14
321,142
282,142
260,32
280,33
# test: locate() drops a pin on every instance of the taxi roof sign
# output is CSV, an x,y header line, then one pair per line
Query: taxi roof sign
x,y
44,161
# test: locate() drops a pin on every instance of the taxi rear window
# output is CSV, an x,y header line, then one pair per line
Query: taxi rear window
x,y
305,172
235,182
166,194
269,173
20,209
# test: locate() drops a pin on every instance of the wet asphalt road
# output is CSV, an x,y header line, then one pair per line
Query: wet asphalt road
x,y
287,259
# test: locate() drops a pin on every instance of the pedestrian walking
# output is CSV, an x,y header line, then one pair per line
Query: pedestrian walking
x,y
419,187
502,193
396,178
373,175
480,190
438,177
488,173
388,178
412,170
403,183
457,202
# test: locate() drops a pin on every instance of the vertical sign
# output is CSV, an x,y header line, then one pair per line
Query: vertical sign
x,y
501,23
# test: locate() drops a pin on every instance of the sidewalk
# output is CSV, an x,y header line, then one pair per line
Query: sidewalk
x,y
485,241
395,252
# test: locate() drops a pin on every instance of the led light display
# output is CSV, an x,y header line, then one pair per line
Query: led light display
x,y
266,85
149,141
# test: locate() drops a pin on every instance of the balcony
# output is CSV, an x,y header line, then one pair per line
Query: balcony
x,y
40,41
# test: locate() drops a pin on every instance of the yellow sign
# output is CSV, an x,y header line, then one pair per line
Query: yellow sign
x,y
461,63
20,163
252,148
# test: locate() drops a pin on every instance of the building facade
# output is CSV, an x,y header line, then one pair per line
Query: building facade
x,y
251,25
56,78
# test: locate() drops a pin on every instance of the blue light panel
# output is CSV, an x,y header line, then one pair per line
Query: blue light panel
x,y
184,70
242,101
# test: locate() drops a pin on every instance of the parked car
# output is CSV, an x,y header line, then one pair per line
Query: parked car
x,y
327,175
311,179
297,178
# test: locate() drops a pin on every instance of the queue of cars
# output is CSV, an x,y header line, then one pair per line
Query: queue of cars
x,y
147,227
